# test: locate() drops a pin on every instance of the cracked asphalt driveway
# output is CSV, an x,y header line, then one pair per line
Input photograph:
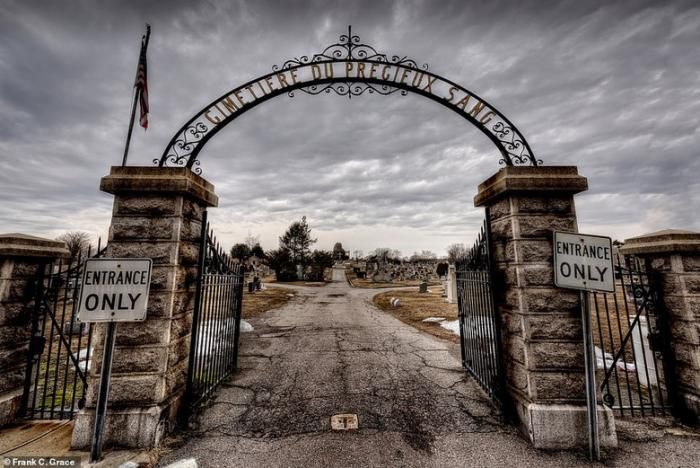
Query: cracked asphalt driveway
x,y
330,351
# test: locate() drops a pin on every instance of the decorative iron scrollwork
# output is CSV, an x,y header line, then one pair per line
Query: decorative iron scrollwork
x,y
182,147
185,146
512,142
349,47
350,89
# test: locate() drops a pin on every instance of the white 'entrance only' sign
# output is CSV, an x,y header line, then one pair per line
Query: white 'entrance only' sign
x,y
114,290
583,261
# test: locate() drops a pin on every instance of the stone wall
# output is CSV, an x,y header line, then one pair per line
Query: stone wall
x,y
541,329
157,214
22,257
673,256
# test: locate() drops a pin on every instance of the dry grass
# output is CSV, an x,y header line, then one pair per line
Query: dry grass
x,y
416,306
261,301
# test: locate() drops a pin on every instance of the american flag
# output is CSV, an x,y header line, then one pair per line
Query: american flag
x,y
141,83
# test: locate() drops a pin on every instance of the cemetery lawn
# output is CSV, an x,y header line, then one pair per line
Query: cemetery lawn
x,y
261,301
416,306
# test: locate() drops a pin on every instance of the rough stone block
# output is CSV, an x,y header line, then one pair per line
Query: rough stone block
x,y
25,269
514,347
691,263
140,359
517,376
14,356
692,284
131,228
544,226
192,210
500,209
562,427
186,278
685,331
162,253
9,406
191,230
558,386
125,427
534,251
537,275
554,327
502,229
178,350
556,355
551,204
176,379
147,205
180,326
511,323
131,390
14,313
163,278
151,331
189,253
12,336
550,300
12,378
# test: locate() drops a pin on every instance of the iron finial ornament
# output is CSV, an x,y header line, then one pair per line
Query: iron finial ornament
x,y
349,68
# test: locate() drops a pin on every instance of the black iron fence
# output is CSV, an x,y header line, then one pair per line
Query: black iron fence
x,y
629,339
478,324
216,321
61,348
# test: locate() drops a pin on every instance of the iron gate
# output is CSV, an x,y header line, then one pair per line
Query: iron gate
x,y
217,318
60,353
478,324
631,343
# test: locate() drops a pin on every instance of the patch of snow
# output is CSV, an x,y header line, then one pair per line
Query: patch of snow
x,y
184,463
246,327
434,319
451,325
605,361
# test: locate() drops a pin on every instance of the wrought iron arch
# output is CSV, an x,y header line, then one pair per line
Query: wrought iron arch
x,y
347,68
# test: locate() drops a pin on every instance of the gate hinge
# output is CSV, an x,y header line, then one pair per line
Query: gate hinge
x,y
36,345
655,342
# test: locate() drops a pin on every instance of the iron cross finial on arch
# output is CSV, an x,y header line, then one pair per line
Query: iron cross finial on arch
x,y
347,68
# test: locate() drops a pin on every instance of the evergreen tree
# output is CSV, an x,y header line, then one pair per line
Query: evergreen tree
x,y
297,240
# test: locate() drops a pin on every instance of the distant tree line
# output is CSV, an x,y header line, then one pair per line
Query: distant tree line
x,y
293,260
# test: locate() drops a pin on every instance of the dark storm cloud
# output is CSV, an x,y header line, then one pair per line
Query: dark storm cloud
x,y
611,87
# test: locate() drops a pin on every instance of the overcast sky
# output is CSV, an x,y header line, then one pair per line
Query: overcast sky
x,y
612,87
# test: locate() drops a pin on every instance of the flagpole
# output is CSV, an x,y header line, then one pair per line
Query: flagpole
x,y
131,126
144,45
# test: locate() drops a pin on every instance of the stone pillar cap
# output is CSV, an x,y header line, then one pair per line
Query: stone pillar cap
x,y
159,180
530,179
24,245
666,241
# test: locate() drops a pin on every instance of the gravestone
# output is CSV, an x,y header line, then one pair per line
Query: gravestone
x,y
423,287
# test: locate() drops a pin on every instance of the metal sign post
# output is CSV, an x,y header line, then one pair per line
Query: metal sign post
x,y
112,290
584,262
591,398
103,395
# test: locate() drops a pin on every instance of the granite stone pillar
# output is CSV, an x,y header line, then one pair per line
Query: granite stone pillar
x,y
674,258
157,214
22,257
541,330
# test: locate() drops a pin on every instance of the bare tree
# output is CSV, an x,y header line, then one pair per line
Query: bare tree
x,y
77,242
251,241
456,252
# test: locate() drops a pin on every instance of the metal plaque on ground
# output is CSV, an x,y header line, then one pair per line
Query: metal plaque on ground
x,y
114,290
583,261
